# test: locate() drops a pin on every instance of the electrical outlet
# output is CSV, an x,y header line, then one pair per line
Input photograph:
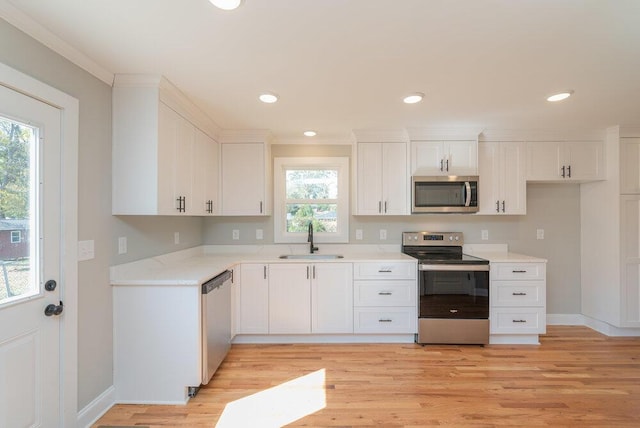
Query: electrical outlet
x,y
235,234
85,250
540,234
122,245
485,234
383,234
176,238
359,234
259,234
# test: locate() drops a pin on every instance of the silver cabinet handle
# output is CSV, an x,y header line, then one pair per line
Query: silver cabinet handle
x,y
307,272
518,294
518,271
563,175
503,206
260,207
264,269
447,165
441,164
314,272
569,171
385,320
385,293
380,207
520,321
385,207
497,206
385,271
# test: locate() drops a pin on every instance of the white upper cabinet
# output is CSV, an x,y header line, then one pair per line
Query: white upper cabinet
x,y
205,183
565,161
502,185
444,157
154,151
382,179
245,178
630,166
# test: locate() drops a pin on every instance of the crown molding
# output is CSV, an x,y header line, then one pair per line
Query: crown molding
x,y
380,135
246,136
435,134
497,135
28,25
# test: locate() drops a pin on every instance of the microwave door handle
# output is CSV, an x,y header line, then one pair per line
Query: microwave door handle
x,y
467,187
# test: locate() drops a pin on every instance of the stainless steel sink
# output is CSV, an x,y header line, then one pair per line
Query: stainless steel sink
x,y
312,256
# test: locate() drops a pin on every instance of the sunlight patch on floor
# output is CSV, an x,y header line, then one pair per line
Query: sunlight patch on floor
x,y
278,406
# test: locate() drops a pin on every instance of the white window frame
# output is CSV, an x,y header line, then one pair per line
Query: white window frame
x,y
281,165
19,237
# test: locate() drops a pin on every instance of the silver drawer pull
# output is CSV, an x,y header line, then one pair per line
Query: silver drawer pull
x,y
385,271
519,294
519,271
385,320
519,321
385,293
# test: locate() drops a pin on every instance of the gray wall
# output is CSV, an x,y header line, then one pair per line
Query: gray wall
x,y
147,236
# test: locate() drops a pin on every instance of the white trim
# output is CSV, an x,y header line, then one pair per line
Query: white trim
x,y
97,408
514,339
594,324
381,135
341,164
69,107
324,338
565,319
28,25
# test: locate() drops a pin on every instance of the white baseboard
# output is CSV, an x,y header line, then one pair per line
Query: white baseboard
x,y
98,407
565,319
597,325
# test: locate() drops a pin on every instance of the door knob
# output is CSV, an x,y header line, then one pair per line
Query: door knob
x,y
50,285
53,309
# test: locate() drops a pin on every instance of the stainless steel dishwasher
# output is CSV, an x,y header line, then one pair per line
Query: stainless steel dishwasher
x,y
216,323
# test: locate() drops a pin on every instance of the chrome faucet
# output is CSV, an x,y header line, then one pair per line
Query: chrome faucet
x,y
310,238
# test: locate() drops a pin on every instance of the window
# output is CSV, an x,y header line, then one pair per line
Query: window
x,y
15,236
311,190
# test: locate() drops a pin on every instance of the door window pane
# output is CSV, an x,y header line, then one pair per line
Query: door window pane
x,y
18,200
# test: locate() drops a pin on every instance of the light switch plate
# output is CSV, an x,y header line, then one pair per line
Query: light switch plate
x,y
259,234
359,234
235,234
122,245
485,234
86,250
540,234
176,238
383,234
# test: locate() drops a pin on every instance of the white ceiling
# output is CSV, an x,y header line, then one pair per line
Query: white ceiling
x,y
340,65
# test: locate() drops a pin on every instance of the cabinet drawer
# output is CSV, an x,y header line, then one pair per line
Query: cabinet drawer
x,y
385,320
385,293
518,293
518,320
382,270
518,271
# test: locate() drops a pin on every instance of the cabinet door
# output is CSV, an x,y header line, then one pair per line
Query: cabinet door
x,y
254,300
370,179
491,175
168,124
289,298
461,157
630,255
427,158
544,161
395,182
513,185
630,166
585,160
205,179
332,298
183,160
243,179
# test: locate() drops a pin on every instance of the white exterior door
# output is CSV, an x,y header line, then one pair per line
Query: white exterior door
x,y
30,209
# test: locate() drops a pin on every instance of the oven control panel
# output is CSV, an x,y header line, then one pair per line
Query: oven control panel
x,y
428,239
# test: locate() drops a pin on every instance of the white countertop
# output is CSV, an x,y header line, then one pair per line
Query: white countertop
x,y
196,265
499,253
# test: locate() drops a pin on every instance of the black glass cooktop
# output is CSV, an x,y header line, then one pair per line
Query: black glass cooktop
x,y
444,255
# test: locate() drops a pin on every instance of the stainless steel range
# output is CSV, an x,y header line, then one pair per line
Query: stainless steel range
x,y
454,289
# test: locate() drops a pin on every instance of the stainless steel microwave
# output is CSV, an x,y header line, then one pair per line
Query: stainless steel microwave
x,y
444,194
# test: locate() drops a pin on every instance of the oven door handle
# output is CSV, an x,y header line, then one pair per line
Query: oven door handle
x,y
459,268
467,187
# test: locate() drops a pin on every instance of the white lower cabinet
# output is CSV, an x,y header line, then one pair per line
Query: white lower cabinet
x,y
252,307
295,298
518,301
385,297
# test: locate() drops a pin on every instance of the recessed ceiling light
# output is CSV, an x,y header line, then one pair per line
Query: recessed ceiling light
x,y
226,4
268,97
310,133
416,97
560,96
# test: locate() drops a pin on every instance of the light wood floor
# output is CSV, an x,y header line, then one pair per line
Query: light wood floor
x,y
577,377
